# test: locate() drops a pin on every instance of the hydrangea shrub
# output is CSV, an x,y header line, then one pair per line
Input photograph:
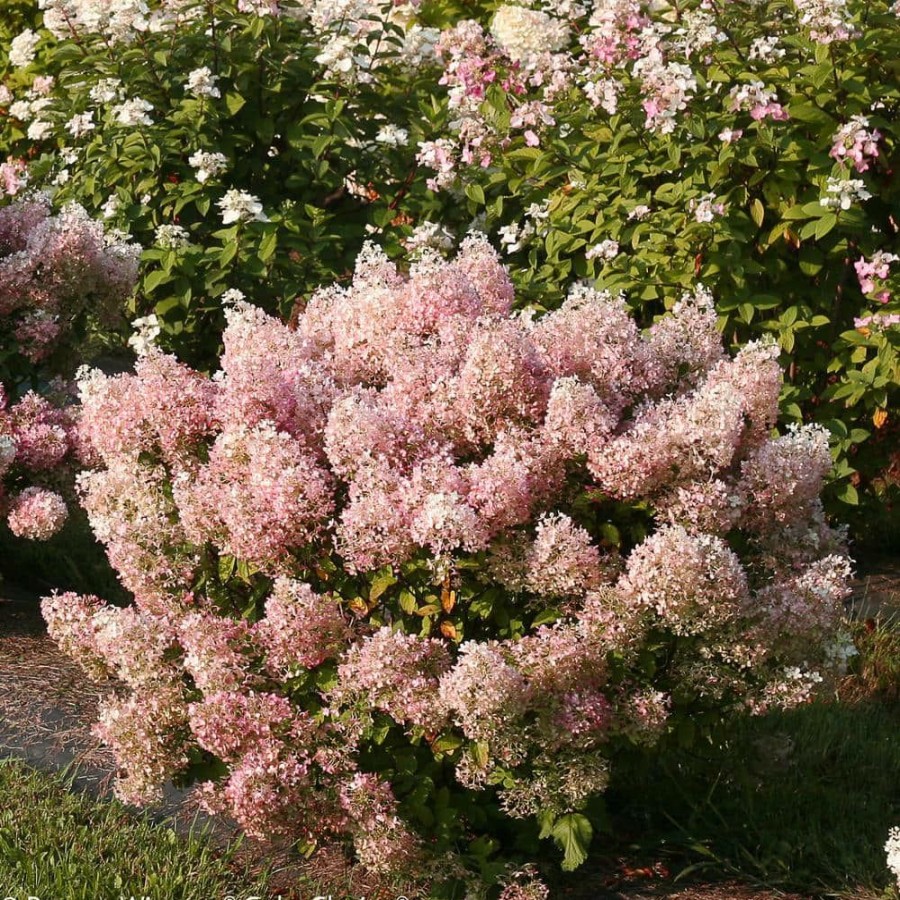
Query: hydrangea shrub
x,y
38,455
252,146
750,145
61,277
247,146
415,571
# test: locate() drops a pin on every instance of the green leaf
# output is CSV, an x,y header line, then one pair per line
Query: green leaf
x,y
757,212
154,279
408,602
380,584
227,566
824,225
475,193
234,103
848,494
573,833
268,245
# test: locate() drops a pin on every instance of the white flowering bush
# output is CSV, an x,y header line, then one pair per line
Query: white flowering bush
x,y
749,145
248,147
251,147
413,573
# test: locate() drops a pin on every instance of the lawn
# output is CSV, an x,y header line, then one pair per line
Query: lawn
x,y
64,844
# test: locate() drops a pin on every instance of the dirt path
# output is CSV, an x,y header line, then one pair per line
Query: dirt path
x,y
47,707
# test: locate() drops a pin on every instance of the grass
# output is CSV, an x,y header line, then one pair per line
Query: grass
x,y
55,842
800,800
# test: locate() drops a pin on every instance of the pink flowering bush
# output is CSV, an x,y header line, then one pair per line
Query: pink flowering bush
x,y
60,274
751,145
38,450
62,279
414,573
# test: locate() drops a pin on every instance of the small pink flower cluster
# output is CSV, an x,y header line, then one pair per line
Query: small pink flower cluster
x,y
879,266
13,176
756,99
856,143
37,443
55,269
415,422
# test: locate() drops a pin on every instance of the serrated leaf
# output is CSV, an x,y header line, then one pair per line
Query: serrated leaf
x,y
573,833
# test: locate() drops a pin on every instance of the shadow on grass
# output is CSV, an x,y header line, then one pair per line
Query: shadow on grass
x,y
799,800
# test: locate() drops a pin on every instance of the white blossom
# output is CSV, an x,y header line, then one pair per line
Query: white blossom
x,y
207,165
106,90
606,250
146,331
171,237
81,124
22,48
240,206
202,83
524,34
392,135
841,193
133,112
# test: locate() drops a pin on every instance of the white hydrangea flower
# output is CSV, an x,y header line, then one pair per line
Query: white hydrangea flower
x,y
202,83
841,193
171,237
20,110
106,90
524,34
133,112
513,237
146,330
606,250
208,165
767,49
22,48
232,296
81,124
39,130
706,209
240,206
429,235
111,206
392,135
